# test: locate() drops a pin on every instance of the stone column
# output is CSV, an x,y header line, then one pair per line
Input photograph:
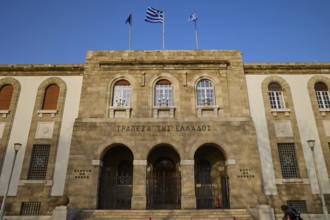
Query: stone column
x,y
188,197
139,199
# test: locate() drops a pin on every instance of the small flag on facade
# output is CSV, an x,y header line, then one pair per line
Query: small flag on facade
x,y
129,19
154,16
192,17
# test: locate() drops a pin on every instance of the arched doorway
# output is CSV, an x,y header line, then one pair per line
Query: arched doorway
x,y
211,180
116,179
163,179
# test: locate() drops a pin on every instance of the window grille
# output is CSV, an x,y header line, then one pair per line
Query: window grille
x,y
299,205
121,94
276,96
288,160
39,162
205,93
51,97
30,208
163,93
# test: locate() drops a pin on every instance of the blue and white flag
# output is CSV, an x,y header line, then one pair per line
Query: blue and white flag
x,y
154,16
129,19
193,17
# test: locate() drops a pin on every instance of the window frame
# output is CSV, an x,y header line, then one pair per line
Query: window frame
x,y
276,96
38,167
121,94
322,95
50,99
6,96
205,93
288,160
163,93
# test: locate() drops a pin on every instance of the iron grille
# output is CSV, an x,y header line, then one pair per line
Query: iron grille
x,y
116,188
288,160
163,190
164,186
39,162
299,205
204,188
30,208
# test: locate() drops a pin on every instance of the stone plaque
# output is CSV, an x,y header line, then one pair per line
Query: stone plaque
x,y
326,124
283,128
45,130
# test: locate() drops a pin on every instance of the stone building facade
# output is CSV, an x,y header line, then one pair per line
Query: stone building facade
x,y
165,130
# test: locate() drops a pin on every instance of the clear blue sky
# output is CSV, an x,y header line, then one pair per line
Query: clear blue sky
x,y
62,31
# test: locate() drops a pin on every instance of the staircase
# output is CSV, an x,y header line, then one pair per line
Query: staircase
x,y
201,214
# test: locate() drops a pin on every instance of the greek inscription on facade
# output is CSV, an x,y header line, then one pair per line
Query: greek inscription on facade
x,y
163,128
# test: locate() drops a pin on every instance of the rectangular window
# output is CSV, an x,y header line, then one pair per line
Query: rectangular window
x,y
288,160
323,99
163,95
276,99
30,208
299,205
122,95
39,162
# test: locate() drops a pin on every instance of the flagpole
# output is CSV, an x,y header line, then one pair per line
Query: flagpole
x,y
130,33
164,30
196,35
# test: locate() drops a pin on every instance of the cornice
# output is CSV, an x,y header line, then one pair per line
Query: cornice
x,y
41,69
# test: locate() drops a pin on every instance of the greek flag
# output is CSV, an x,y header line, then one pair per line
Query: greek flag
x,y
154,16
192,17
129,19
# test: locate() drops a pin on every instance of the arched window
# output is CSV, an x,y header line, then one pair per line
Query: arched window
x,y
6,92
205,93
121,94
163,93
322,95
51,97
275,94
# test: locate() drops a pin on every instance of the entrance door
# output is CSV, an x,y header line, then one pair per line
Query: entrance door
x,y
116,187
163,186
203,181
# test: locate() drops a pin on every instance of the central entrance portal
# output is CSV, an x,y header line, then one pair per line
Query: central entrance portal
x,y
163,180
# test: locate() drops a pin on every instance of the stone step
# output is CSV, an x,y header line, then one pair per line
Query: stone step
x,y
201,214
